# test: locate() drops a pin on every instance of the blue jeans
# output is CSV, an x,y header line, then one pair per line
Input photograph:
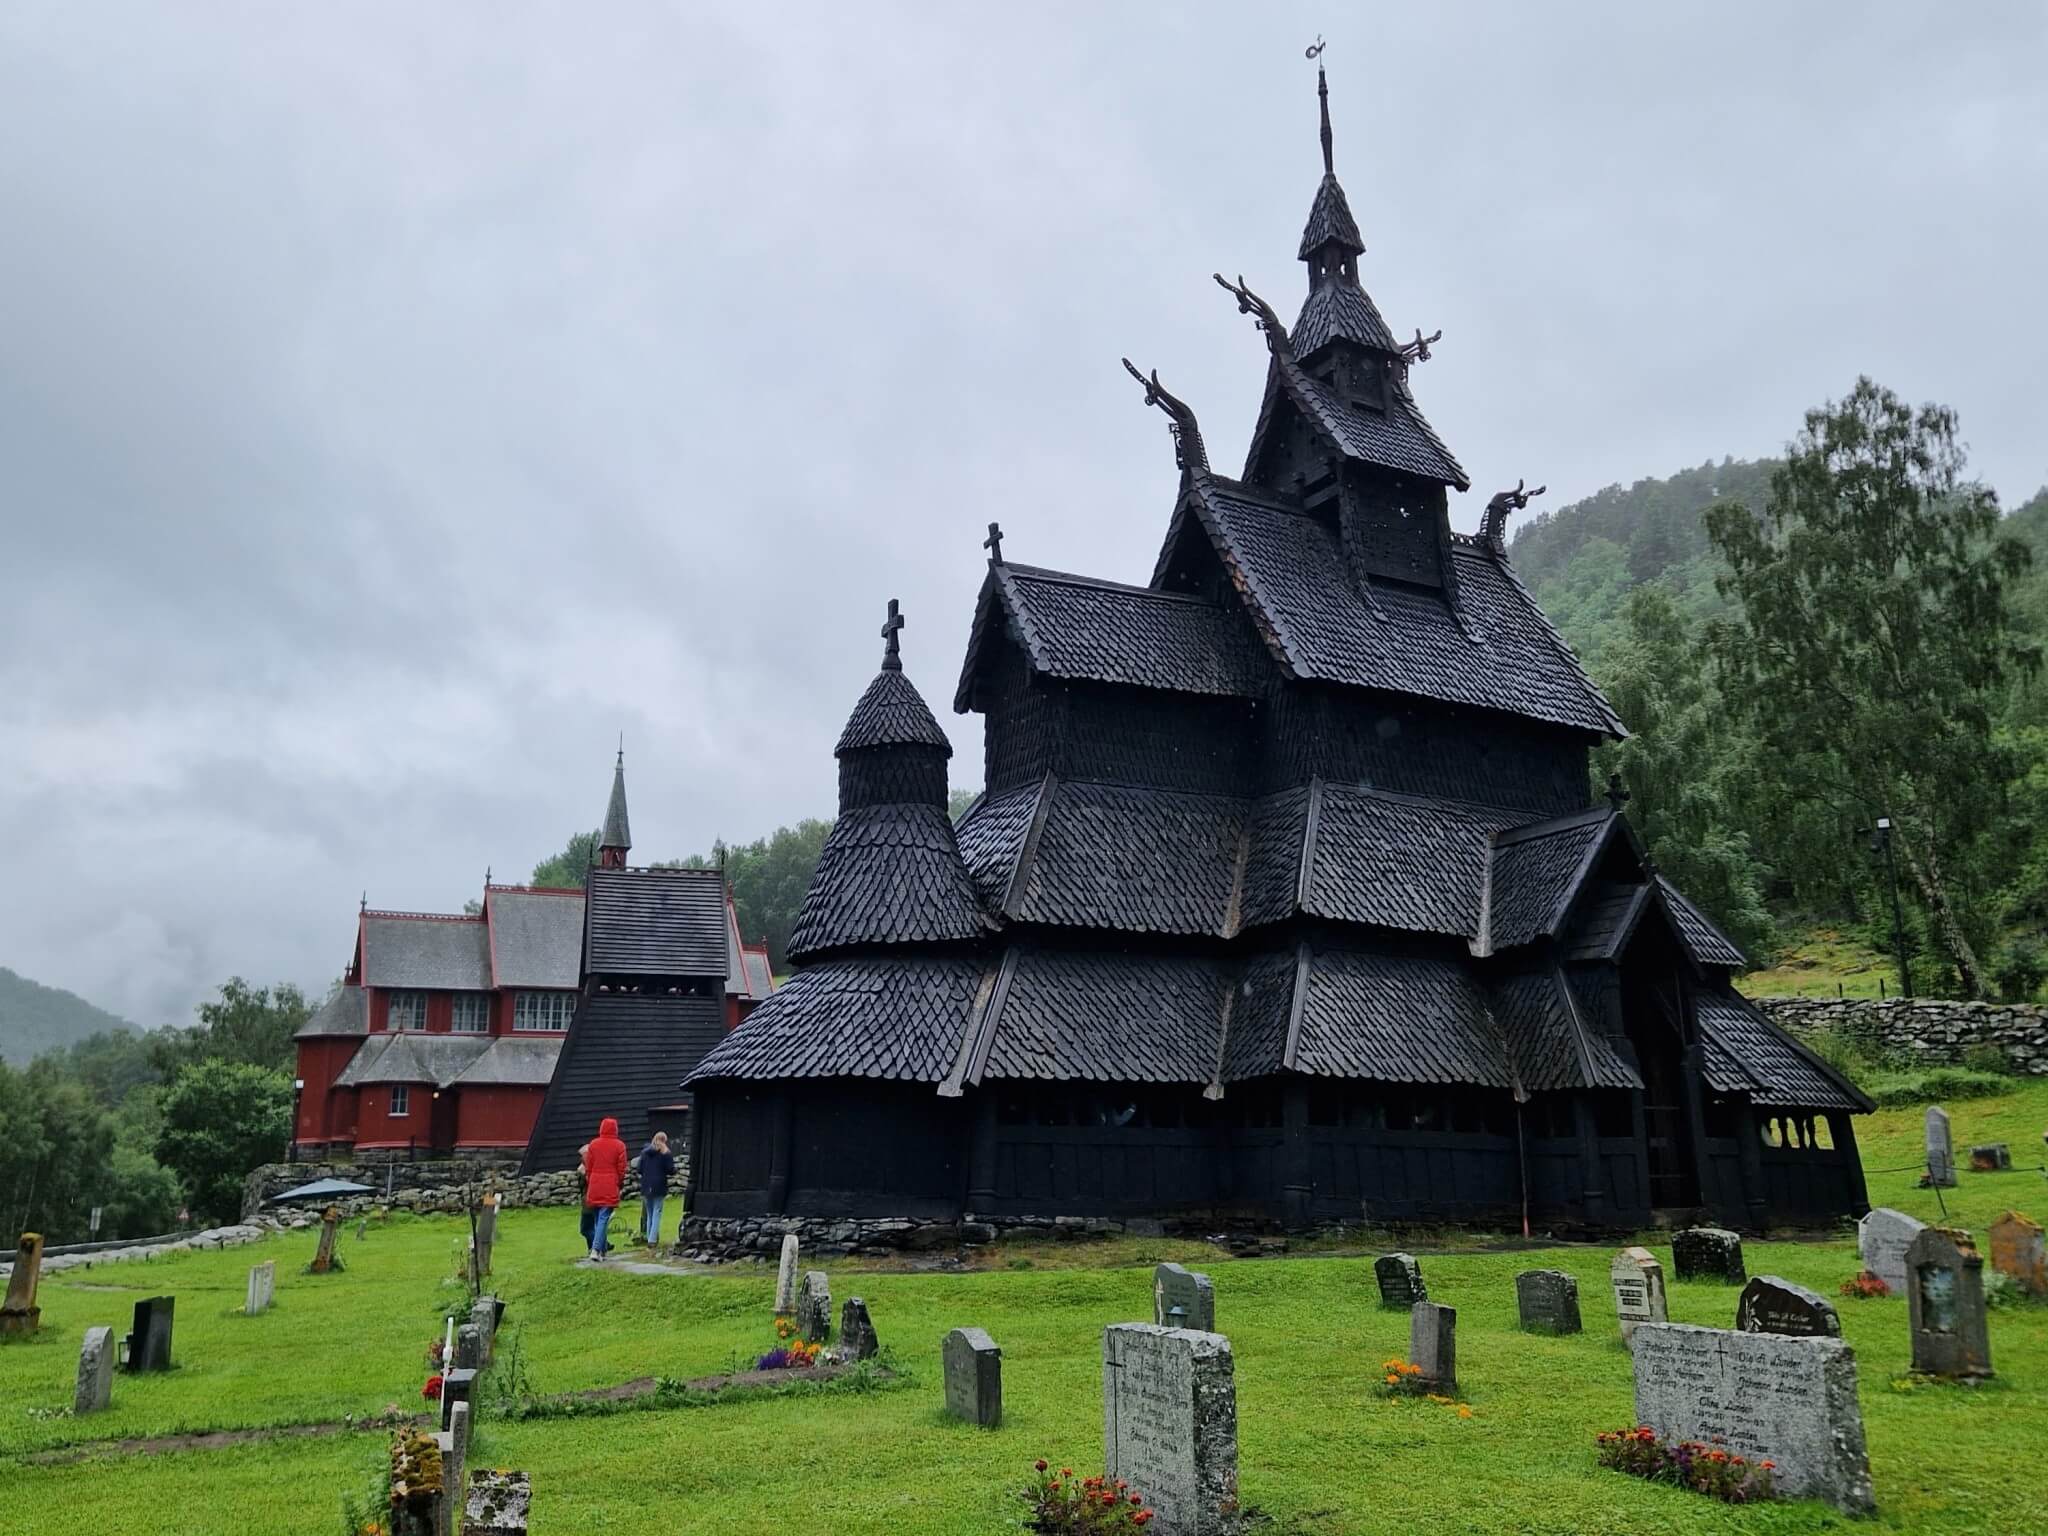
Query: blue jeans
x,y
597,1220
650,1217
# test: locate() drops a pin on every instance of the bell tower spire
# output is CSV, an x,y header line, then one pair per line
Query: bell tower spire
x,y
1323,97
616,840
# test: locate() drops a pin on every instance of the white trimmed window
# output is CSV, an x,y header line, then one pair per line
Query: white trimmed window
x,y
401,1100
472,1015
408,1010
542,1011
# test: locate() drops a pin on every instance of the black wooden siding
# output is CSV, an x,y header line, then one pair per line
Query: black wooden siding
x,y
625,1054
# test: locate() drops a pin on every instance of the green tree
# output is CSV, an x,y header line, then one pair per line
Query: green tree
x,y
221,1119
1874,638
769,877
569,868
243,1023
958,801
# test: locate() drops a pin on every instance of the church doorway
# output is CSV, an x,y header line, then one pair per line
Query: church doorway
x,y
1653,1014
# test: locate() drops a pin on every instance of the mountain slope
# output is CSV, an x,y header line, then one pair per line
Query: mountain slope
x,y
35,1018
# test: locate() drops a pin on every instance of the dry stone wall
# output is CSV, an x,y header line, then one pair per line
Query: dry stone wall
x,y
441,1187
1931,1030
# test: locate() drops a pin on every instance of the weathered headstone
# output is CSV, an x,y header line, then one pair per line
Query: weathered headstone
x,y
1400,1280
1763,1397
483,1316
1991,1157
1708,1253
1945,1300
1941,1151
323,1256
262,1285
486,1235
785,1276
1183,1298
457,1386
1548,1301
149,1341
974,1377
1771,1305
420,1492
455,1455
1169,1423
1433,1344
1638,1280
362,1228
814,1307
498,1503
1882,1239
2017,1249
469,1348
95,1372
19,1314
857,1339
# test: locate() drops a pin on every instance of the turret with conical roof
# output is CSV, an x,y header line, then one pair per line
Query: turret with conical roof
x,y
616,840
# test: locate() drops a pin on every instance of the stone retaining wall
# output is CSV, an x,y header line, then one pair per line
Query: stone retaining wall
x,y
715,1239
445,1188
1931,1030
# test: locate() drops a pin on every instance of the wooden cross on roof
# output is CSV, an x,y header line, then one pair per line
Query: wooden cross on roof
x,y
892,657
1616,795
994,543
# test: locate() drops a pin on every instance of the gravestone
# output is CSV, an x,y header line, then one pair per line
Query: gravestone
x,y
1945,1301
857,1339
19,1314
814,1307
785,1277
483,1316
1708,1253
1882,1239
469,1348
486,1235
455,1454
974,1377
149,1341
1548,1301
1771,1305
362,1228
1941,1151
1761,1396
1638,1281
498,1503
1169,1423
323,1256
262,1285
1992,1157
1400,1278
457,1386
95,1372
1433,1344
2017,1249
1183,1298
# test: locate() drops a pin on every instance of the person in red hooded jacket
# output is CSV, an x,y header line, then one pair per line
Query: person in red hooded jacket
x,y
604,1173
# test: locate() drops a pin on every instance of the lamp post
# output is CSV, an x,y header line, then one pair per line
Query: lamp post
x,y
298,1091
1881,843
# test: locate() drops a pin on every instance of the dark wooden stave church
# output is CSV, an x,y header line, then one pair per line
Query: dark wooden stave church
x,y
1284,901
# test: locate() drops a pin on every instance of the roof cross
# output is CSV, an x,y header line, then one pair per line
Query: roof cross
x,y
994,543
1616,795
892,658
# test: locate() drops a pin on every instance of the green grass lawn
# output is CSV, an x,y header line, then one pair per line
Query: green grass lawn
x,y
1825,962
1319,1451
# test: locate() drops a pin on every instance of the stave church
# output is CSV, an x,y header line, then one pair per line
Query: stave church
x,y
1289,899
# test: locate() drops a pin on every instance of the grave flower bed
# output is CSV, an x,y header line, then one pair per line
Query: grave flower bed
x,y
1703,1468
1865,1287
1401,1379
792,1353
1065,1505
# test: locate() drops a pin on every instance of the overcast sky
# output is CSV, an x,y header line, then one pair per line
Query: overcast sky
x,y
399,402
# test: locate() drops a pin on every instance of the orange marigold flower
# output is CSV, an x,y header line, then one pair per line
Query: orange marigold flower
x,y
1464,1410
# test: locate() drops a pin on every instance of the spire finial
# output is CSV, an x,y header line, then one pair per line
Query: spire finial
x,y
1616,795
994,543
892,656
1323,100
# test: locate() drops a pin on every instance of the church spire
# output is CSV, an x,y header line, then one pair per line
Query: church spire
x,y
616,840
1337,308
1323,98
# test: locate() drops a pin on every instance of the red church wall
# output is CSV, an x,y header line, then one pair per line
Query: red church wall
x,y
325,1113
496,1117
376,1126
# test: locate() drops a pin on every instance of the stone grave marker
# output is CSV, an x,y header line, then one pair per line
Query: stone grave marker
x,y
469,1348
1433,1344
19,1314
974,1377
2017,1249
1771,1305
486,1235
483,1316
1548,1301
1400,1279
457,1386
149,1341
362,1228
1169,1423
1708,1253
785,1277
95,1372
323,1256
1183,1298
1945,1301
1882,1238
455,1455
498,1503
1638,1281
262,1285
814,1307
1992,1157
1941,1151
857,1339
1765,1397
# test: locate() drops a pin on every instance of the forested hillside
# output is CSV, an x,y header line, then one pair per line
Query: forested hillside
x,y
35,1018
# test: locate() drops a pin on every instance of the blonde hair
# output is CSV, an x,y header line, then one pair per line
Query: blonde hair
x,y
661,1140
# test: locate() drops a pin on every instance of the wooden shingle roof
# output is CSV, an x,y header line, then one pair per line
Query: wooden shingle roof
x,y
656,922
888,874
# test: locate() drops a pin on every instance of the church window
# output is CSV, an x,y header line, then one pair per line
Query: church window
x,y
401,1101
542,1011
472,1013
408,1010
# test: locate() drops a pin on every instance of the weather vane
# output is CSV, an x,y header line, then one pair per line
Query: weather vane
x,y
1317,51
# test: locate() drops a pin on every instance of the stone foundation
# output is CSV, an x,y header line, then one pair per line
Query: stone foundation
x,y
1930,1030
716,1239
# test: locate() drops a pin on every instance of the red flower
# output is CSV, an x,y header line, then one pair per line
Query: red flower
x,y
433,1387
1039,1464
